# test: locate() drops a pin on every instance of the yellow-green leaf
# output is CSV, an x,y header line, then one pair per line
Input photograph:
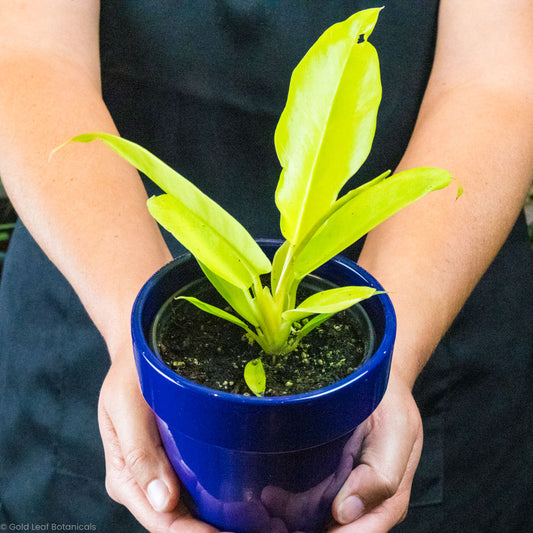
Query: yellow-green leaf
x,y
254,375
313,323
211,234
326,129
199,232
364,210
239,299
329,302
216,311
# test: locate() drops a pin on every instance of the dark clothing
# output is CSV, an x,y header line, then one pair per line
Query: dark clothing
x,y
202,85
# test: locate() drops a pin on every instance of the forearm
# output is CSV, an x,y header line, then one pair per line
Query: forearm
x,y
430,256
85,207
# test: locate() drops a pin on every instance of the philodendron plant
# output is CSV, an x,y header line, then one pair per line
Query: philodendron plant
x,y
323,136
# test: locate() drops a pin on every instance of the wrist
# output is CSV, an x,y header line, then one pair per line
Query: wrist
x,y
412,350
112,315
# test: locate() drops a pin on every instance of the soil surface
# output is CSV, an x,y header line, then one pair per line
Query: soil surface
x,y
213,352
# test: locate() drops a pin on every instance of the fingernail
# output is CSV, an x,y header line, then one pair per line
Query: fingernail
x,y
350,509
158,494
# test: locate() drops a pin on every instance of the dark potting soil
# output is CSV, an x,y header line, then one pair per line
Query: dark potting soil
x,y
213,352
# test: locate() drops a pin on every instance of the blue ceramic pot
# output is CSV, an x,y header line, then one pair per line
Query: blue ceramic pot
x,y
261,465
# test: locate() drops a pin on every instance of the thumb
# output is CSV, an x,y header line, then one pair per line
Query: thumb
x,y
388,460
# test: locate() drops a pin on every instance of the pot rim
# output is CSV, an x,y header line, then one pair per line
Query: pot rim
x,y
382,350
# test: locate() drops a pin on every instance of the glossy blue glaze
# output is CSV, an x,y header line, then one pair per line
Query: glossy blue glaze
x,y
259,465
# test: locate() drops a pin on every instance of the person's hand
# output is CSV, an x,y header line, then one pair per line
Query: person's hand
x,y
138,473
376,494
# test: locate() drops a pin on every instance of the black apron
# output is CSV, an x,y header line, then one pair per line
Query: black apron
x,y
202,85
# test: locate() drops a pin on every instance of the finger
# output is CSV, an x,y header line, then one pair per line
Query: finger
x,y
133,448
380,520
123,487
390,453
383,517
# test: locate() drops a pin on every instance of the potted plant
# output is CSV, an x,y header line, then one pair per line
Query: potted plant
x,y
256,463
259,464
